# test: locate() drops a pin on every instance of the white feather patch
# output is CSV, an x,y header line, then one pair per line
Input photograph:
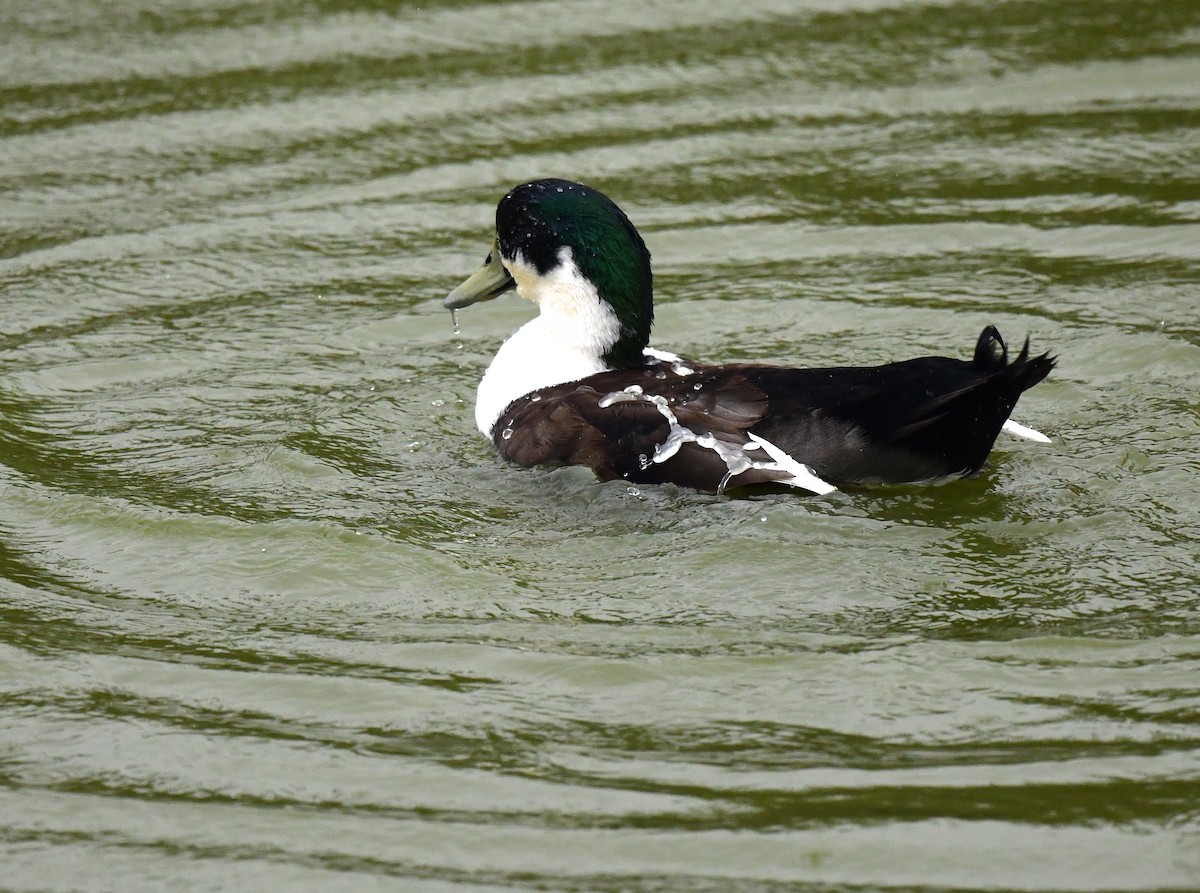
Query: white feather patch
x,y
802,475
1016,429
733,455
678,364
664,356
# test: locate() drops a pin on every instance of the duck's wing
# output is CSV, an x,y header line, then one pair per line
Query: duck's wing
x,y
691,429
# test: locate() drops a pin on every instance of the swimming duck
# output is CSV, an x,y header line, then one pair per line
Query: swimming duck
x,y
579,385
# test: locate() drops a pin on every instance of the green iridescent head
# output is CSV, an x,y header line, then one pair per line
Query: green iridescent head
x,y
536,221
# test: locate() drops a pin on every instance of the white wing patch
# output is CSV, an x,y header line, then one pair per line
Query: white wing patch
x,y
678,364
664,356
802,475
1016,429
733,455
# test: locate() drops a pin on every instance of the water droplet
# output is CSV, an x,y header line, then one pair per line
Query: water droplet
x,y
660,375
438,402
697,386
534,398
634,491
454,319
506,433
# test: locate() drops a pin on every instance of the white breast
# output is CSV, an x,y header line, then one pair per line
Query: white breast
x,y
565,342
532,358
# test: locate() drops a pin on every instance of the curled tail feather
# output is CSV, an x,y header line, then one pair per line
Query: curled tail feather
x,y
1023,372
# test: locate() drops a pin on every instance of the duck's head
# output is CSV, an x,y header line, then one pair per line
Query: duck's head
x,y
564,245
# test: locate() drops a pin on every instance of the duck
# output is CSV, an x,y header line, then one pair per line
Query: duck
x,y
579,384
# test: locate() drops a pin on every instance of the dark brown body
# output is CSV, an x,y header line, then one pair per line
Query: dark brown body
x,y
915,420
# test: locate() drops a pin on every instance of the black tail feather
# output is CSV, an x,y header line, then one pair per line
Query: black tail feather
x,y
960,426
986,359
1022,373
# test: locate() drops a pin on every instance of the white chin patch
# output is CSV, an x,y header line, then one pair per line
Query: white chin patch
x,y
1018,430
733,455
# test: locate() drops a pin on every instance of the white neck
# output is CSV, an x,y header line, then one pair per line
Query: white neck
x,y
564,342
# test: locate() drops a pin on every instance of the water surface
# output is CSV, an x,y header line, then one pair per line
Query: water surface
x,y
272,616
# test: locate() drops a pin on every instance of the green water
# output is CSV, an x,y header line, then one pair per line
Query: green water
x,y
273,617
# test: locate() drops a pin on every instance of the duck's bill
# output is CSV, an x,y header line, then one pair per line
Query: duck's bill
x,y
486,283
